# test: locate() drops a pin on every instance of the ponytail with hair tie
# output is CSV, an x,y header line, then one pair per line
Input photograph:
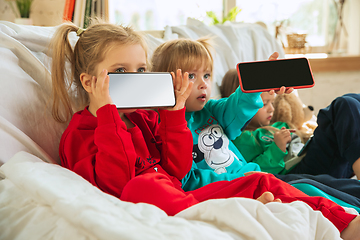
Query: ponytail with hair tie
x,y
79,31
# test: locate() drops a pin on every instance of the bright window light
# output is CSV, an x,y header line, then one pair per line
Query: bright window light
x,y
156,14
308,55
316,18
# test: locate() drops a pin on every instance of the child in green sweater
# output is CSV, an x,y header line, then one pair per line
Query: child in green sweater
x,y
273,146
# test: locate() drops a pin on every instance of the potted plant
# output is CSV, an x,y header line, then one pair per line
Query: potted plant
x,y
231,16
21,9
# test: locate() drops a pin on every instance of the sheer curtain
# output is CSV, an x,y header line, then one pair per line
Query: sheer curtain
x,y
352,21
156,14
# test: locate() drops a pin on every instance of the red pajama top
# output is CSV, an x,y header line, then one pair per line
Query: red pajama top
x,y
103,151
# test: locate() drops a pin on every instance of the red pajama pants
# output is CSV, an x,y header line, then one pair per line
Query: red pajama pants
x,y
159,190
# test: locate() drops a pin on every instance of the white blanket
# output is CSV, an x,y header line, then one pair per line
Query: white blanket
x,y
40,200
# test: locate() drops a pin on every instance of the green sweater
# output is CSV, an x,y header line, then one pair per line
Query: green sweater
x,y
258,146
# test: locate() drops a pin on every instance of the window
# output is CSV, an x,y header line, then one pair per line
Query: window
x,y
156,14
316,18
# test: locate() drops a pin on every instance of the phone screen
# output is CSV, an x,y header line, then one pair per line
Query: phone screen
x,y
142,90
266,75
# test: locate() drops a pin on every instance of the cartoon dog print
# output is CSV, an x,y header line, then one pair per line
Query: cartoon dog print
x,y
214,144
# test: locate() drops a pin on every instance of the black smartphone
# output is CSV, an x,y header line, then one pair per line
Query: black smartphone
x,y
261,76
142,90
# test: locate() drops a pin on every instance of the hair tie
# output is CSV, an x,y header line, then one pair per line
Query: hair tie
x,y
79,31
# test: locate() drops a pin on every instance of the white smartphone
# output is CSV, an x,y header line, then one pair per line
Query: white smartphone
x,y
142,90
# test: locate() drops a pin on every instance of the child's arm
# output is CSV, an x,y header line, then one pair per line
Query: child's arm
x,y
234,112
270,159
177,143
105,156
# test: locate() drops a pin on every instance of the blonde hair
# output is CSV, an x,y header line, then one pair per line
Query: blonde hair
x,y
229,83
184,54
90,49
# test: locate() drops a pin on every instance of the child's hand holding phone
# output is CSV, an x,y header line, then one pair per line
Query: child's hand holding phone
x,y
182,89
98,89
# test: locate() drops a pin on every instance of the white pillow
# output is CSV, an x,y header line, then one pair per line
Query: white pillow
x,y
25,117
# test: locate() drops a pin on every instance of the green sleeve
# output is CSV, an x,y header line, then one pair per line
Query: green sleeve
x,y
270,160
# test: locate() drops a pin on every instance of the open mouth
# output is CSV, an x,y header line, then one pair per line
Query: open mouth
x,y
202,97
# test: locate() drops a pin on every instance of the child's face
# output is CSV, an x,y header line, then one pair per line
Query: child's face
x,y
128,58
264,114
201,89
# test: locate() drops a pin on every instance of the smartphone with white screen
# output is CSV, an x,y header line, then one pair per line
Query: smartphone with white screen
x,y
261,76
142,90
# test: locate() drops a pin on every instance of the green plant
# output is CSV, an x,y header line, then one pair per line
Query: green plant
x,y
22,7
231,16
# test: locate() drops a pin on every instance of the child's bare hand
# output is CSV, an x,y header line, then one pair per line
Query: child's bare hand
x,y
282,90
182,89
100,90
274,56
282,138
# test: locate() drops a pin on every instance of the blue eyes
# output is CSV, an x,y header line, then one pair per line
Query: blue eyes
x,y
122,70
192,76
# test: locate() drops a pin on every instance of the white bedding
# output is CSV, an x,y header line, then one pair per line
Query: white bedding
x,y
41,200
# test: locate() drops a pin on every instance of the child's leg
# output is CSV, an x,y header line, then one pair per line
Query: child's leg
x,y
288,193
157,189
352,232
345,185
336,142
253,186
